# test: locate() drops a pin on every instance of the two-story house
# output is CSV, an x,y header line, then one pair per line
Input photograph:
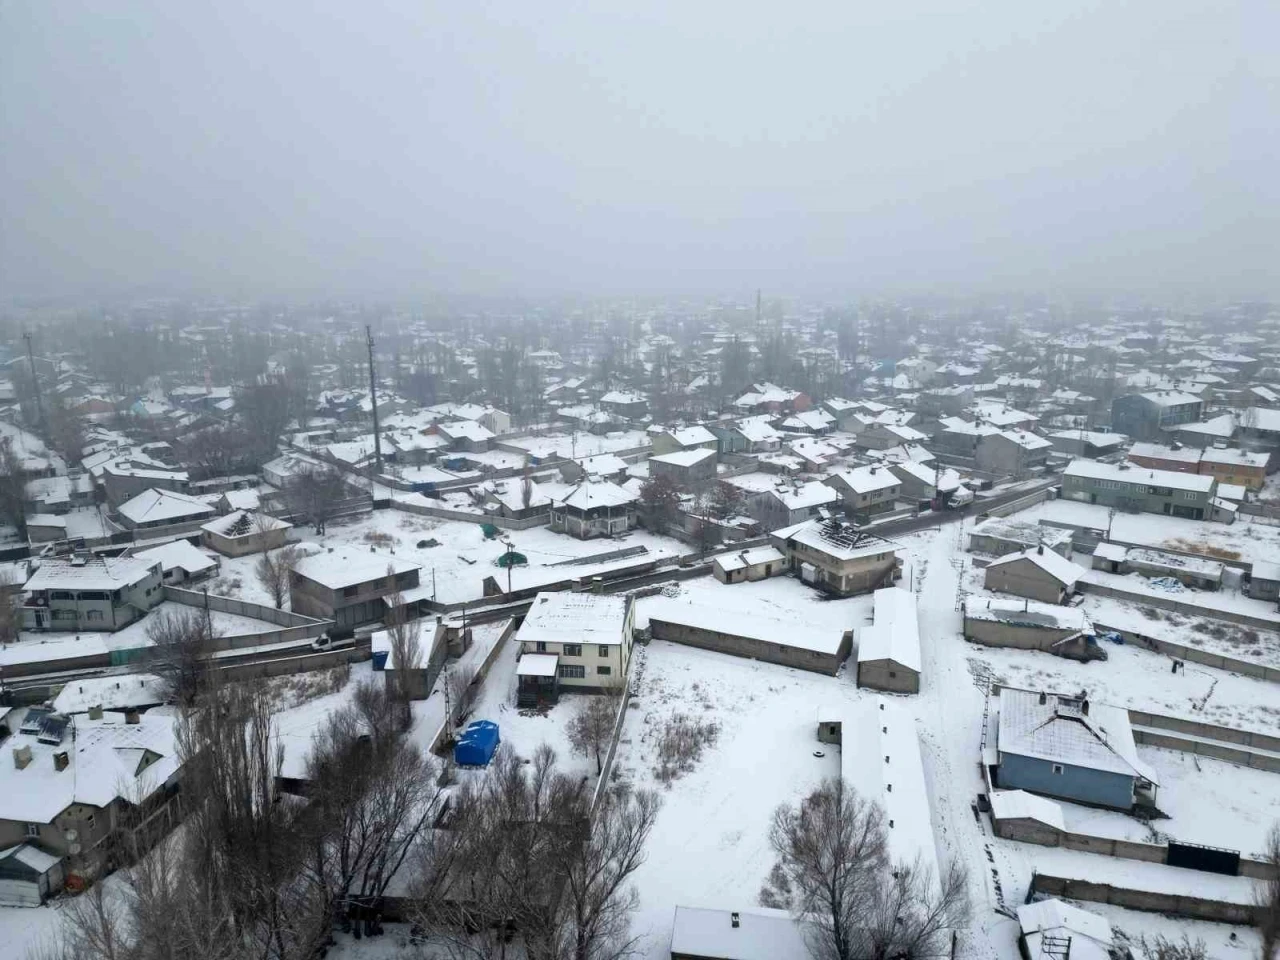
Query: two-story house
x,y
89,592
866,491
1128,487
836,559
574,641
1145,415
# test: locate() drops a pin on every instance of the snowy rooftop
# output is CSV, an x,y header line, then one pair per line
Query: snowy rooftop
x,y
1236,458
111,692
811,533
574,618
466,430
895,634
1052,563
1095,437
1020,805
693,436
1089,934
685,458
179,555
1069,730
591,493
758,430
868,479
754,934
1127,473
152,506
89,573
243,523
737,623
537,665
748,558
801,496
346,567
1170,398
1158,451
1027,612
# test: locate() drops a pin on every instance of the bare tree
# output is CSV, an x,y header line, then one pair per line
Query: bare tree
x,y
180,643
659,504
1165,948
460,691
1269,898
10,606
590,729
834,871
315,496
406,651
13,487
274,570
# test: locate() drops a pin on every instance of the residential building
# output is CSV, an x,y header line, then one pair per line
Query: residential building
x,y
1012,453
791,501
882,436
959,438
1155,456
180,562
1091,444
162,508
866,491
1030,625
770,398
685,468
349,586
919,482
1000,536
244,532
757,933
748,435
1229,466
837,559
684,438
588,634
1072,748
126,478
86,592
889,649
465,436
594,508
628,406
1127,487
1037,574
74,783
1145,415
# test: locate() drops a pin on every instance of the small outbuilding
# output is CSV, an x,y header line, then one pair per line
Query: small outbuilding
x,y
244,532
537,681
180,562
476,746
889,649
1036,574
1049,925
756,564
28,876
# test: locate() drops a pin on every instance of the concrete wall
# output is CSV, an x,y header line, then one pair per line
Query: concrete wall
x,y
1022,578
991,633
1196,655
1074,783
780,653
1198,908
1191,609
1022,503
503,523
888,675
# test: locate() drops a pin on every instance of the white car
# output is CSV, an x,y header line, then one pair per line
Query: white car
x,y
325,642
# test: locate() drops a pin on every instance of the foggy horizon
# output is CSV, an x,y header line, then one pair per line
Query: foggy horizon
x,y
400,150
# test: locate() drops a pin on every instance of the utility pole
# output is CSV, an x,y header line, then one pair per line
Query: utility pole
x,y
35,383
373,401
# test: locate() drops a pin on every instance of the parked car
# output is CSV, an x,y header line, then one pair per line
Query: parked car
x,y
325,642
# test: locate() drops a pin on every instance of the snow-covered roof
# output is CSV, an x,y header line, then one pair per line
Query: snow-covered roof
x,y
179,555
1027,613
1158,451
602,464
1128,473
748,558
919,471
244,523
685,458
466,430
1069,730
1222,426
694,436
1236,458
868,479
91,572
347,567
1026,440
1111,551
596,493
811,534
109,758
1089,934
584,618
737,623
1170,398
537,665
155,505
622,397
1020,805
754,934
1051,562
757,430
895,633
801,496
1095,437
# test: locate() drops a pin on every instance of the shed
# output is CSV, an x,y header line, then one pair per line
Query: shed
x,y
1037,574
1264,580
1047,922
476,746
28,876
889,649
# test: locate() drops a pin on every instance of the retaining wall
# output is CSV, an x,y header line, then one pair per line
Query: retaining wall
x,y
444,513
1190,609
1198,908
1196,655
292,627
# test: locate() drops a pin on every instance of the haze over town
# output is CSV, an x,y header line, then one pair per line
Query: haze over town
x,y
703,482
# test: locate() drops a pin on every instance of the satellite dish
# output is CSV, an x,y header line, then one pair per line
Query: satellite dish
x,y
71,836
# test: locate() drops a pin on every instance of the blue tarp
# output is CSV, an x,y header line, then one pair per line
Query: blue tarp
x,y
476,745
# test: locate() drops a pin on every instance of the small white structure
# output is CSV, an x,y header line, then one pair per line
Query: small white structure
x,y
244,532
28,876
889,649
1089,934
180,561
756,934
755,564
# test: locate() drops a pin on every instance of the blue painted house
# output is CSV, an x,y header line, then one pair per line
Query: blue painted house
x,y
1071,748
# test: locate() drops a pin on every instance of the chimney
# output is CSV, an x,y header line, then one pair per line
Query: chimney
x,y
1040,549
1084,707
95,712
1043,698
597,584
132,716
734,920
61,760
21,757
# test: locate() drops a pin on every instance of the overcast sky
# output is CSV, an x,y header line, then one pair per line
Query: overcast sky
x,y
539,146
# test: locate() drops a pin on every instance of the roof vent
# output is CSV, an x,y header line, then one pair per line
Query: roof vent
x,y
734,920
61,760
21,757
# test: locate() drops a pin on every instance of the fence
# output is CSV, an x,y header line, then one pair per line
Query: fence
x,y
466,516
1197,908
1021,503
303,663
1190,609
293,627
606,769
1195,655
1242,747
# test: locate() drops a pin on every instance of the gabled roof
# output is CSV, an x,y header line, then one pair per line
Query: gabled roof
x,y
895,633
89,573
867,479
348,567
1052,563
156,505
595,493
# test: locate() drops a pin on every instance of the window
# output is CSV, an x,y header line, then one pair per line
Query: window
x,y
404,579
540,646
63,614
93,615
1058,768
89,823
350,591
572,649
604,650
569,671
33,829
604,671
61,595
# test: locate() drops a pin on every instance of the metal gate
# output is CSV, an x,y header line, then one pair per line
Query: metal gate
x,y
1208,859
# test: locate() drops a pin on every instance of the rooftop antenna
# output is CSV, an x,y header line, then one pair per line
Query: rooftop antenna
x,y
373,401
